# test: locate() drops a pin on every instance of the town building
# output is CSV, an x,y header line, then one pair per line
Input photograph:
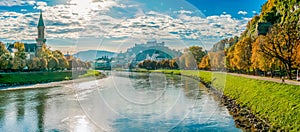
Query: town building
x,y
102,63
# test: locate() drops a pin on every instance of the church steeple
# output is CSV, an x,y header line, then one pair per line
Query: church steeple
x,y
41,34
41,21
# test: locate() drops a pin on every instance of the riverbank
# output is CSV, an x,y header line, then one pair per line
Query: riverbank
x,y
276,104
55,84
43,79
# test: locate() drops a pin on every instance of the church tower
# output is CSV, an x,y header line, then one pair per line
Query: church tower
x,y
41,33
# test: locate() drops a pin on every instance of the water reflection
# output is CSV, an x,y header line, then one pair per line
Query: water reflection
x,y
121,102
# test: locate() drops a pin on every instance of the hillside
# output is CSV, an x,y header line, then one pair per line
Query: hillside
x,y
270,43
90,55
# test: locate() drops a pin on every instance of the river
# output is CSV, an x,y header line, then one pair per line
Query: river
x,y
123,101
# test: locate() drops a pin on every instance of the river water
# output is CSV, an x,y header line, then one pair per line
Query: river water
x,y
123,101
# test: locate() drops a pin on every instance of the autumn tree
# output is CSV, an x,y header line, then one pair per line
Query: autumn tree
x,y
6,61
52,63
205,63
242,54
44,52
3,49
20,50
5,58
173,64
230,60
282,42
34,64
62,61
43,63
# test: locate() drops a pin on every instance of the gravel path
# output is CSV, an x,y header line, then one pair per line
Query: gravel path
x,y
293,82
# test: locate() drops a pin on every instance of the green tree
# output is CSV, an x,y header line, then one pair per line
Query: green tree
x,y
197,53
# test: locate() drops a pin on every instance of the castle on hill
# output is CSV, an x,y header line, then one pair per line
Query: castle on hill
x,y
151,50
32,48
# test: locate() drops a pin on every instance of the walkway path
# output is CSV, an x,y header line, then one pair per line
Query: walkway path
x,y
293,82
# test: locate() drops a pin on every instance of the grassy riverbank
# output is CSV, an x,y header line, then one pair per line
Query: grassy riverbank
x,y
25,78
277,103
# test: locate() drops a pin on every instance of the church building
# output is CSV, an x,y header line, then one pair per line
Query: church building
x,y
32,48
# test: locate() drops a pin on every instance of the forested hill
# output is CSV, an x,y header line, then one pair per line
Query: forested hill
x,y
273,47
273,11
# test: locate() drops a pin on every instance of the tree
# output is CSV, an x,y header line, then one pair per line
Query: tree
x,y
21,50
18,64
43,63
197,53
62,61
6,61
3,49
52,63
217,60
34,64
173,64
191,57
230,60
242,54
282,42
44,52
205,63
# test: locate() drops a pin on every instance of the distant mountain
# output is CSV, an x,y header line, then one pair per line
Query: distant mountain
x,y
93,54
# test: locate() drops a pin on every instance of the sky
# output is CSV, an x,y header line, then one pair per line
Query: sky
x,y
115,25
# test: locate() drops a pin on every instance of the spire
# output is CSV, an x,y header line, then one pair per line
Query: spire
x,y
41,21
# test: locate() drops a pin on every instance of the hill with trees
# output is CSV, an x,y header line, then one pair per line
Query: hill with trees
x,y
91,55
277,51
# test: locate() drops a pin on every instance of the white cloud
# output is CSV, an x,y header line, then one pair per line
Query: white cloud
x,y
183,12
31,2
74,20
16,2
41,3
242,12
10,2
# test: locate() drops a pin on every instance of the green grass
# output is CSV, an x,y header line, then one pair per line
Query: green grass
x,y
90,73
24,78
277,103
33,77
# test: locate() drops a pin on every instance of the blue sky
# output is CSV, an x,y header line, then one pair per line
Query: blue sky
x,y
115,25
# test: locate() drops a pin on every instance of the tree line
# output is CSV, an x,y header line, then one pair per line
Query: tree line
x,y
277,52
188,60
44,60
